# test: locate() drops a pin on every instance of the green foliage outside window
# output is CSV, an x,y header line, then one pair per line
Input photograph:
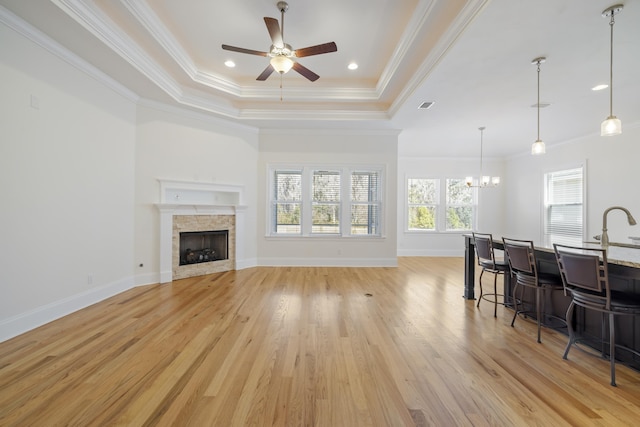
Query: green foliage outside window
x,y
423,201
425,204
422,218
459,205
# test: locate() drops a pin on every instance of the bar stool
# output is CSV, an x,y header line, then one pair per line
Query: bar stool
x,y
585,275
488,262
524,268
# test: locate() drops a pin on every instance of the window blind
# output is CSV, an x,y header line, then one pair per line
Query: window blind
x,y
564,207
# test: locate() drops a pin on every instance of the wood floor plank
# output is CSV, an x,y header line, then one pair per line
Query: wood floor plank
x,y
294,346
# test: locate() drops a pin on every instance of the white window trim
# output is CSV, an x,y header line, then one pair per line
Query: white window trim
x,y
345,202
543,207
441,213
474,205
406,205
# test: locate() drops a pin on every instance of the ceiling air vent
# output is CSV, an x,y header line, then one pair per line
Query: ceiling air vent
x,y
426,105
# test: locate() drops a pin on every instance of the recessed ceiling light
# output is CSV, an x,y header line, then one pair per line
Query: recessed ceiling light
x,y
599,87
230,63
426,105
353,66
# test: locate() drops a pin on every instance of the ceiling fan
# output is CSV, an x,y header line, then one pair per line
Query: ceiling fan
x,y
282,54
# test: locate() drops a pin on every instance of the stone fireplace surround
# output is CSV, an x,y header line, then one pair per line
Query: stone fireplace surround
x,y
198,206
182,223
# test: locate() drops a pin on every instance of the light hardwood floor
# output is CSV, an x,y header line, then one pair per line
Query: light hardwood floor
x,y
306,346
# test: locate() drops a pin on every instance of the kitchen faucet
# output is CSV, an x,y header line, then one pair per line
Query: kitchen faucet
x,y
604,238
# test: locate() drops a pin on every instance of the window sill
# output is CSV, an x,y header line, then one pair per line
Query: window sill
x,y
418,232
321,237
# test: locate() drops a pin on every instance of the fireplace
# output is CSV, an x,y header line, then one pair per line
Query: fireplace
x,y
203,246
215,213
211,236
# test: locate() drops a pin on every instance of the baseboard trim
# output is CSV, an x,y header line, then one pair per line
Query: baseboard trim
x,y
328,262
432,252
23,322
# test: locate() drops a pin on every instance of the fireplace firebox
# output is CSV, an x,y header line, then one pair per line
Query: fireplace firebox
x,y
203,246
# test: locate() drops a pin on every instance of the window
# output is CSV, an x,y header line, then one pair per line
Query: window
x,y
365,202
563,216
330,201
433,208
423,203
287,201
460,206
326,202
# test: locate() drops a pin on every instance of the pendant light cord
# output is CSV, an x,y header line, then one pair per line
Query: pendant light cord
x,y
481,139
538,100
611,66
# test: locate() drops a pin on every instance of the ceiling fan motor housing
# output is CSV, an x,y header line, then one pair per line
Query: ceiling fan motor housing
x,y
287,51
281,53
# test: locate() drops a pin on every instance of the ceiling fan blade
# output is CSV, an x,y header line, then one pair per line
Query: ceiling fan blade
x,y
316,50
243,50
274,31
266,73
305,71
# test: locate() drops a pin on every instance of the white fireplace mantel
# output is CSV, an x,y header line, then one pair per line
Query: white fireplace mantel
x,y
200,193
196,198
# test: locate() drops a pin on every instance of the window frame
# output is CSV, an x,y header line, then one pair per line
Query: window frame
x,y
546,237
436,205
473,205
441,206
274,201
344,204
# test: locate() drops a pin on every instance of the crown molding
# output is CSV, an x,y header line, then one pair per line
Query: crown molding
x,y
463,19
141,10
38,37
87,14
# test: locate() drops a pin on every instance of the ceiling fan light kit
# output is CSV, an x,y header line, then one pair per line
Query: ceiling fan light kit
x,y
281,63
282,54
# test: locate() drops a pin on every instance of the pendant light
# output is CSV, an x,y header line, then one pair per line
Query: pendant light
x,y
484,180
612,125
538,146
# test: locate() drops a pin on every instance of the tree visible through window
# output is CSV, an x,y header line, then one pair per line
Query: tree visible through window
x,y
288,202
326,202
340,201
460,205
365,203
423,203
427,211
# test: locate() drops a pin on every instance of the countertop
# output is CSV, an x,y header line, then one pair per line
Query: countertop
x,y
617,253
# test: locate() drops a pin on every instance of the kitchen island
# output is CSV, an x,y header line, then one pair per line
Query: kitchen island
x,y
624,275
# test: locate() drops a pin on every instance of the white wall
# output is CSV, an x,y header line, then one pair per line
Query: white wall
x,y
336,148
612,179
175,145
490,203
66,174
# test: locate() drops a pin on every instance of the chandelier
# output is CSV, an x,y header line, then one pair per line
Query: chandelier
x,y
483,180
